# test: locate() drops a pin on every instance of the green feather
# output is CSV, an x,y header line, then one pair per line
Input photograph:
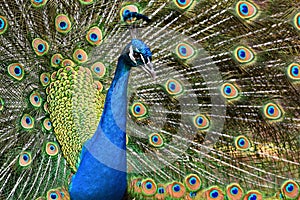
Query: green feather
x,y
236,79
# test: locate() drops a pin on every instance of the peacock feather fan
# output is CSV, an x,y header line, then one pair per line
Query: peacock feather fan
x,y
219,121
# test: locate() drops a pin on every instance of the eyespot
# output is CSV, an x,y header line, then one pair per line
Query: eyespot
x,y
272,111
156,140
253,194
161,189
242,143
296,21
62,23
45,79
3,25
80,56
176,190
246,10
243,54
98,69
148,187
35,99
25,159
184,51
40,46
173,87
293,71
94,36
53,194
214,193
52,148
290,189
27,121
192,182
201,122
278,195
64,193
139,183
16,70
136,184
126,9
229,91
1,104
86,2
234,191
67,62
38,3
56,60
192,195
138,110
183,4
47,124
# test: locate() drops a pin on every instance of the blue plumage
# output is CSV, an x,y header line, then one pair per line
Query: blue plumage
x,y
102,170
129,15
221,121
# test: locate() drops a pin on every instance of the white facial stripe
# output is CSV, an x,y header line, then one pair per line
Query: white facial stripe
x,y
146,68
131,54
142,58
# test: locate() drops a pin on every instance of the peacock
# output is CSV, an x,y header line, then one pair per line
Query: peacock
x,y
175,99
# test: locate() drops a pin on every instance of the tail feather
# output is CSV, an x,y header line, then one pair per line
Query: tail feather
x,y
223,111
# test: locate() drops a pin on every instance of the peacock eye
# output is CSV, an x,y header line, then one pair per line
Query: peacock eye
x,y
136,56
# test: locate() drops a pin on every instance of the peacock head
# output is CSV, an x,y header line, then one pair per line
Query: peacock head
x,y
138,54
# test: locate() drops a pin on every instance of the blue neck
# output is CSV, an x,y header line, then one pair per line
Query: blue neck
x,y
102,170
114,115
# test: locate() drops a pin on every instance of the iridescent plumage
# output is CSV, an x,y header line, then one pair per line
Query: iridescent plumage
x,y
219,121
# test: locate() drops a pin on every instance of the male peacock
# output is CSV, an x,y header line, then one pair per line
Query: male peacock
x,y
102,170
219,121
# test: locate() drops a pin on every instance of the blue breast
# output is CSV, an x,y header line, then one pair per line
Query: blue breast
x,y
102,170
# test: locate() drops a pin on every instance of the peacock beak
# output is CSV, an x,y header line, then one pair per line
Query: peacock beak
x,y
148,68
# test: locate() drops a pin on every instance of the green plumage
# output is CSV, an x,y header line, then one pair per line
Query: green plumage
x,y
224,108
